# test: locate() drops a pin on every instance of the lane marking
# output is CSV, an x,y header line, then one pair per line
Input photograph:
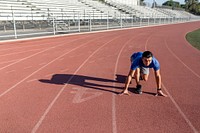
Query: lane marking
x,y
172,99
14,53
180,111
114,119
146,44
21,47
25,58
31,80
80,95
62,89
64,70
39,53
9,89
3,62
180,60
10,71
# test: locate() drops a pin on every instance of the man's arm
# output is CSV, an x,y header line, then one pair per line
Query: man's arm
x,y
159,83
128,80
158,78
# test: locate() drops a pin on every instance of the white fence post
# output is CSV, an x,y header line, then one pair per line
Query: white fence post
x,y
108,20
120,20
54,30
14,25
79,22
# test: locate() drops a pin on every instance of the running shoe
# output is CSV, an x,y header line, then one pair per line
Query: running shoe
x,y
138,89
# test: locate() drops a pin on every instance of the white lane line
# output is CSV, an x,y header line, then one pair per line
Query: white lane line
x,y
5,92
172,99
64,70
62,89
26,58
146,44
20,52
10,71
114,119
21,47
179,110
8,61
181,60
31,80
38,53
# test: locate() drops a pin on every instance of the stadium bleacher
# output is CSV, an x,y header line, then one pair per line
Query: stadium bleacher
x,y
42,10
85,14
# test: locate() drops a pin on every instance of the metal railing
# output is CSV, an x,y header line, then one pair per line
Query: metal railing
x,y
52,24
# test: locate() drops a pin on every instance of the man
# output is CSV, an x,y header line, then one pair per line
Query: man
x,y
140,64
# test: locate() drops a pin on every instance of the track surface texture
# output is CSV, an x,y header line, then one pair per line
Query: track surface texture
x,y
69,84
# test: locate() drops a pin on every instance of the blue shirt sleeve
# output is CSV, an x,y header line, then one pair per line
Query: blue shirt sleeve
x,y
135,63
156,64
135,55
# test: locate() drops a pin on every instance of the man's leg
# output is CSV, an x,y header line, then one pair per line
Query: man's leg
x,y
144,73
137,80
141,74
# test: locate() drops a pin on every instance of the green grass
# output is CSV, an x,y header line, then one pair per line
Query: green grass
x,y
194,38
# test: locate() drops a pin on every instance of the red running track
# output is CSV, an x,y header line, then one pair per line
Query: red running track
x,y
68,84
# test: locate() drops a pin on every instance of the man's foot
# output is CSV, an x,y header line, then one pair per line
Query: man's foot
x,y
160,93
138,89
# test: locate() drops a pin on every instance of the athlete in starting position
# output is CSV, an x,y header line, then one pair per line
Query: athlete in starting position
x,y
140,64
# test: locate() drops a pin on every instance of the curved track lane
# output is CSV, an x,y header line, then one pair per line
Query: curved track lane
x,y
69,83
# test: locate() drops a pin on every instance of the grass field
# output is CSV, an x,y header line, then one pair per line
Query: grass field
x,y
194,38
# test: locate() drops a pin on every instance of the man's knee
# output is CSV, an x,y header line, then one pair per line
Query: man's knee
x,y
137,72
145,77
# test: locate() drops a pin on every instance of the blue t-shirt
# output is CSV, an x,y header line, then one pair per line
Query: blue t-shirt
x,y
136,60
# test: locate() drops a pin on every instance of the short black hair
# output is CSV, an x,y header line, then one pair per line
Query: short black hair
x,y
147,54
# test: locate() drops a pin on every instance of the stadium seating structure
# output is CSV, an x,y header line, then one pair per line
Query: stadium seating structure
x,y
69,14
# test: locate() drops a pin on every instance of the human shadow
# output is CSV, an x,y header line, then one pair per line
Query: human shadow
x,y
149,93
133,90
86,81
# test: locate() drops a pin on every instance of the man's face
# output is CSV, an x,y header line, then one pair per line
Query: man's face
x,y
146,61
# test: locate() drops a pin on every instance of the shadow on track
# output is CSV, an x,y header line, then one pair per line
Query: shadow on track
x,y
86,81
90,82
